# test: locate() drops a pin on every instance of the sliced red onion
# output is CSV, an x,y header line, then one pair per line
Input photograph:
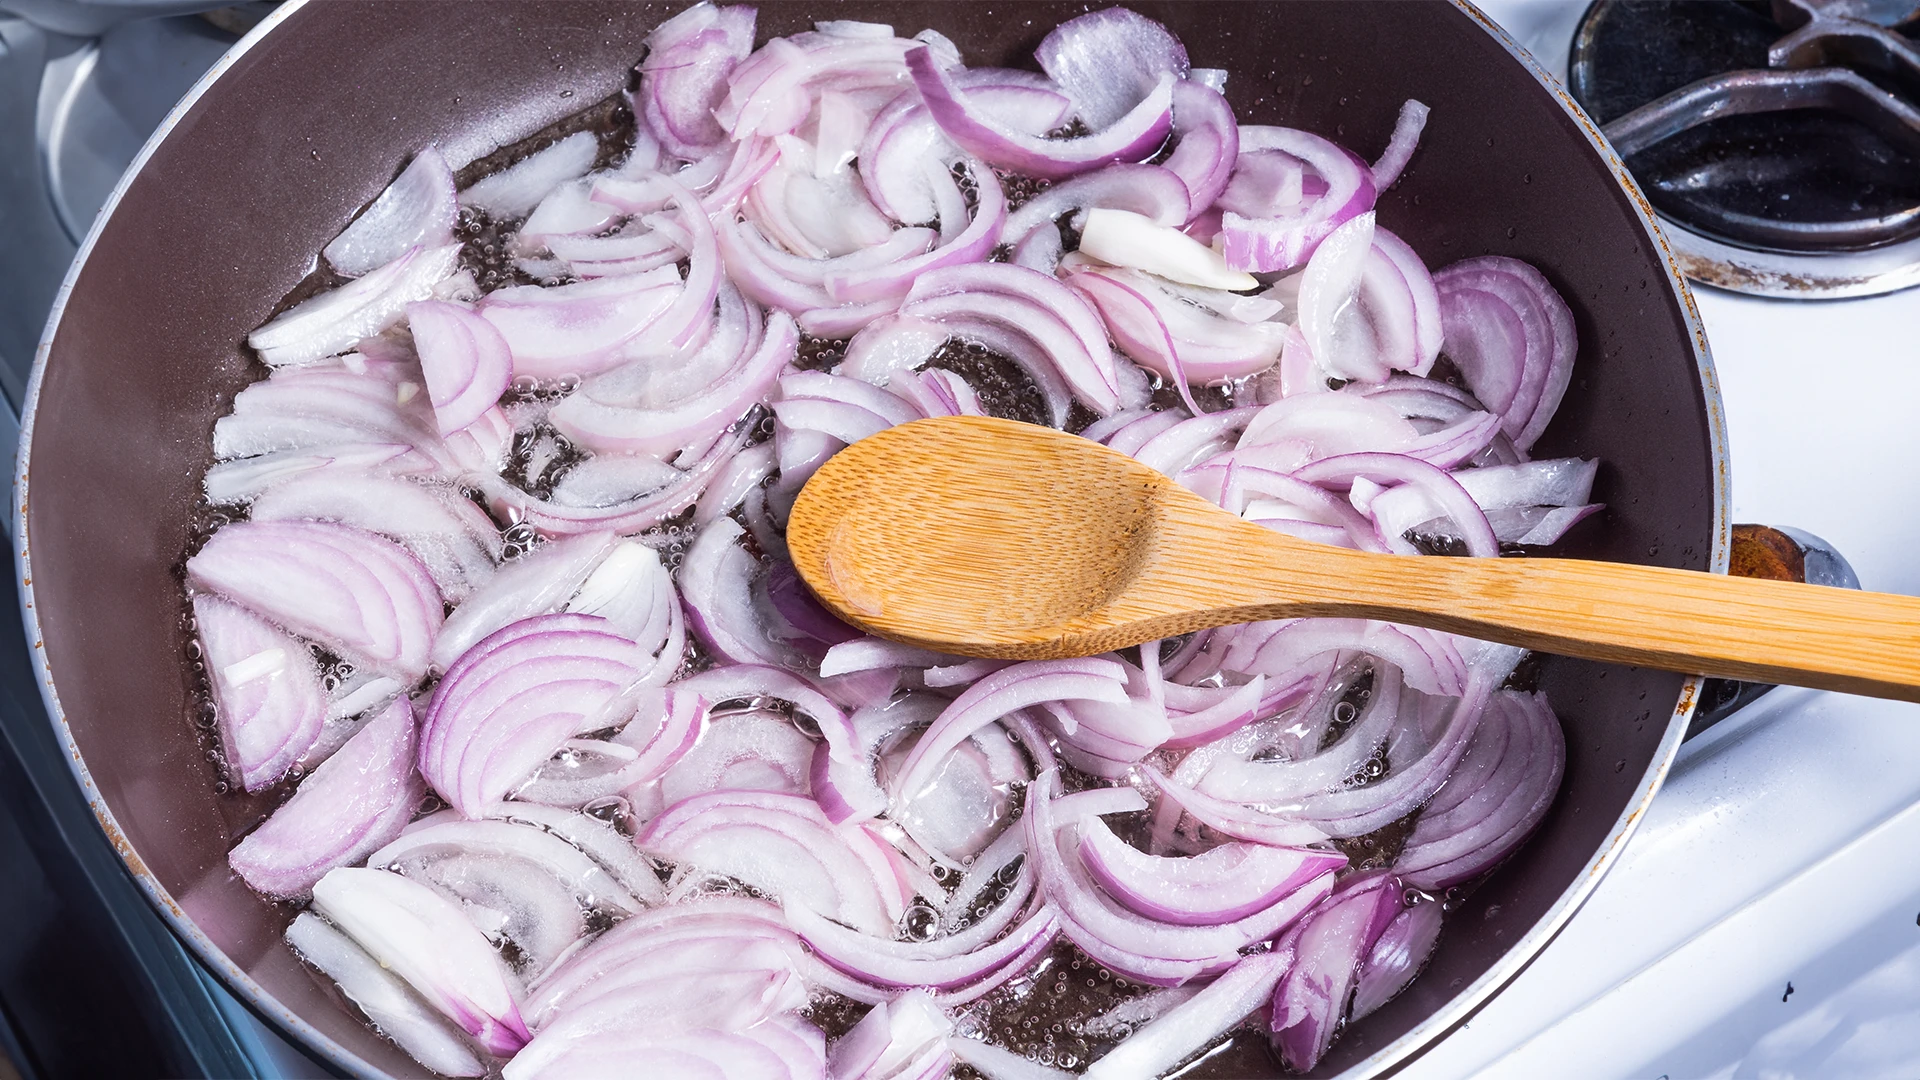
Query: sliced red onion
x,y
385,999
1035,306
446,836
1416,774
537,583
552,518
569,210
1123,238
1396,958
755,750
1005,691
1206,143
356,801
416,210
770,93
1162,331
600,840
1481,343
266,689
465,361
237,481
1357,312
1152,951
897,1040
1221,885
996,1063
424,938
453,539
362,596
332,322
1130,137
1428,330
1487,816
684,76
1267,244
1560,482
1399,151
1438,485
1310,1002
518,188
509,702
903,137
1191,1025
716,587
746,681
1237,820
1429,661
970,245
782,845
745,472
913,964
1153,192
1108,60
579,329
938,392
659,427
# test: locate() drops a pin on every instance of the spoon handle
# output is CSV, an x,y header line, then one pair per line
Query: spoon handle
x,y
1676,620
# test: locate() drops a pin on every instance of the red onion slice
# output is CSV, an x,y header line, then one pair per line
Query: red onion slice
x,y
596,419
579,329
755,750
1485,339
1400,147
684,76
1469,836
1191,1025
1108,60
1267,244
903,964
782,845
1206,143
416,210
517,189
361,595
891,1041
1151,191
453,539
447,836
1221,885
1396,958
465,361
425,939
1129,138
267,694
1310,1002
332,322
356,801
509,702
1035,306
1005,691
386,1000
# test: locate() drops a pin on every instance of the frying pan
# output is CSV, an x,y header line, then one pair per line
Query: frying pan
x,y
309,117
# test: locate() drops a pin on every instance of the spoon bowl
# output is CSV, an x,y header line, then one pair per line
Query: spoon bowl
x,y
987,537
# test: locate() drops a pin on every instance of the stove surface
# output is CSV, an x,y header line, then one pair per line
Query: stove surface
x,y
1765,920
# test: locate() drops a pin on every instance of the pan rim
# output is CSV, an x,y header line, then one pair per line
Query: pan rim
x,y
1435,1027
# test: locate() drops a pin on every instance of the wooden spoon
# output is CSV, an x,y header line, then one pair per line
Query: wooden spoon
x,y
986,537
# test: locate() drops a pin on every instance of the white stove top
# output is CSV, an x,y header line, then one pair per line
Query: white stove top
x,y
1782,851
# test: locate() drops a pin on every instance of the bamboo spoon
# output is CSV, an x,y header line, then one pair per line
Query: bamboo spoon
x,y
986,537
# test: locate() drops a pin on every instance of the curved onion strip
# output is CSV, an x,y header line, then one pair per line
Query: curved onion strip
x,y
1192,1024
417,209
363,596
425,939
1131,137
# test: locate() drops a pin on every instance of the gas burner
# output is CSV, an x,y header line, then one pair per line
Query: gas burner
x,y
1780,145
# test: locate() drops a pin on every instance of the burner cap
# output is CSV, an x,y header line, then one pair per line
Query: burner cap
x,y
1796,180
